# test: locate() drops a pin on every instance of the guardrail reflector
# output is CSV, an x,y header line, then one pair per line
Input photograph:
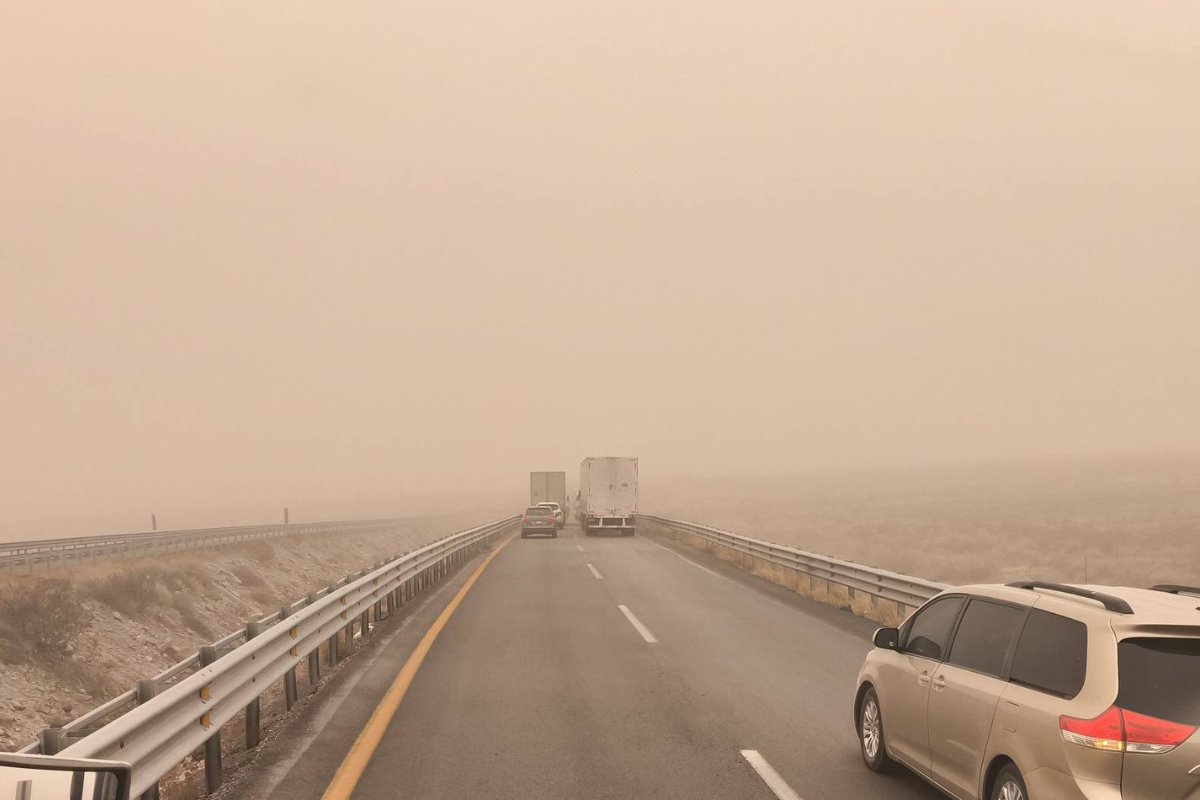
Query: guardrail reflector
x,y
294,633
295,651
205,722
205,694
344,613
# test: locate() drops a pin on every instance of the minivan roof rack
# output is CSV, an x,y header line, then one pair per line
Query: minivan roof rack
x,y
1109,601
1171,588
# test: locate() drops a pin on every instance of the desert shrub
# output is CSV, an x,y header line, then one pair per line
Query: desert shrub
x,y
265,597
85,675
42,618
130,591
248,575
260,550
185,604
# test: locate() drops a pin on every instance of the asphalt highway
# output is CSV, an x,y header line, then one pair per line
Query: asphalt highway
x,y
585,667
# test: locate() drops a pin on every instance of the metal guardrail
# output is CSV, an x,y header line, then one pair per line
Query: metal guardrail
x,y
59,553
183,708
903,590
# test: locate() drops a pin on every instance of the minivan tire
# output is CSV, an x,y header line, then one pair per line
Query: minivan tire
x,y
871,741
1009,785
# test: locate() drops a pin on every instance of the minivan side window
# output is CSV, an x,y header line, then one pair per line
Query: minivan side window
x,y
928,632
1052,655
986,637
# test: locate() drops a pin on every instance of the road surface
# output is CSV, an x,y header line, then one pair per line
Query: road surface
x,y
597,668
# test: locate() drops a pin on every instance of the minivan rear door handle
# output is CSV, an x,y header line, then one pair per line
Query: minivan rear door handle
x,y
939,682
923,679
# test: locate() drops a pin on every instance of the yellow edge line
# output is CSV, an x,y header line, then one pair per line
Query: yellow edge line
x,y
350,772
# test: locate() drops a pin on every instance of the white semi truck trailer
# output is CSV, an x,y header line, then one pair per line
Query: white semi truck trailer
x,y
608,495
548,487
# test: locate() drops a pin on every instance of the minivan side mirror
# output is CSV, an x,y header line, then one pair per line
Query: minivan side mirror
x,y
51,776
887,638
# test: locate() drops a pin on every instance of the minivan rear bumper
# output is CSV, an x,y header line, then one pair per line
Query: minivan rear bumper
x,y
1060,786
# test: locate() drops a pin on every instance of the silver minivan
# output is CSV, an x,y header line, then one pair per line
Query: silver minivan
x,y
1038,691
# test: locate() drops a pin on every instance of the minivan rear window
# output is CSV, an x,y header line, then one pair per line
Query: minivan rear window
x,y
1160,678
539,511
1052,654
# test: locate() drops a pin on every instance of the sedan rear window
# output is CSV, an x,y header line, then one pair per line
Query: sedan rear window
x,y
539,511
1160,678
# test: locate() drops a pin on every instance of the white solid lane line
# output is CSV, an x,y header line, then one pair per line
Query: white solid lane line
x,y
596,573
771,778
688,560
638,626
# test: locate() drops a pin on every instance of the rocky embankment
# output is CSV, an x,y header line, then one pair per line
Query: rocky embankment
x,y
71,640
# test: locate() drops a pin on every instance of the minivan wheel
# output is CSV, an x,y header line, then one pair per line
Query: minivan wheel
x,y
1009,785
870,734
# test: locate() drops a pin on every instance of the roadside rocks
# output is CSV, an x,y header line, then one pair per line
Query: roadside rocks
x,y
215,594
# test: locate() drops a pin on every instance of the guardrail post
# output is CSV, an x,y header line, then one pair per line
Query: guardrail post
x,y
365,624
212,747
289,677
51,745
332,650
314,658
145,691
349,626
253,728
51,741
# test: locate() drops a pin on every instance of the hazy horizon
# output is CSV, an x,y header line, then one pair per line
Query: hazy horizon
x,y
374,257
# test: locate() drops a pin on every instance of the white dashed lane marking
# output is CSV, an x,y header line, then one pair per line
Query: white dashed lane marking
x,y
771,778
638,626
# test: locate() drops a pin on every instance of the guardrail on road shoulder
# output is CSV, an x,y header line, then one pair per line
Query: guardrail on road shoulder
x,y
30,556
886,597
183,708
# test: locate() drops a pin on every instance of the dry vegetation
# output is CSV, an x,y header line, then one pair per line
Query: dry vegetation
x,y
69,641
1119,521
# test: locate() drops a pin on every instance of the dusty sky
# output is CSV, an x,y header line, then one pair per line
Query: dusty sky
x,y
309,253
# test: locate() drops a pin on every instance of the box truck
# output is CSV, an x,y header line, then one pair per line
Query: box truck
x,y
608,495
548,487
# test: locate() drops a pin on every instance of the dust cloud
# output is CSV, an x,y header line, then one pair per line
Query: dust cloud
x,y
368,258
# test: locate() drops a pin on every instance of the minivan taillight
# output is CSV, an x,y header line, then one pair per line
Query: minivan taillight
x,y
1145,734
1105,732
1119,730
525,520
